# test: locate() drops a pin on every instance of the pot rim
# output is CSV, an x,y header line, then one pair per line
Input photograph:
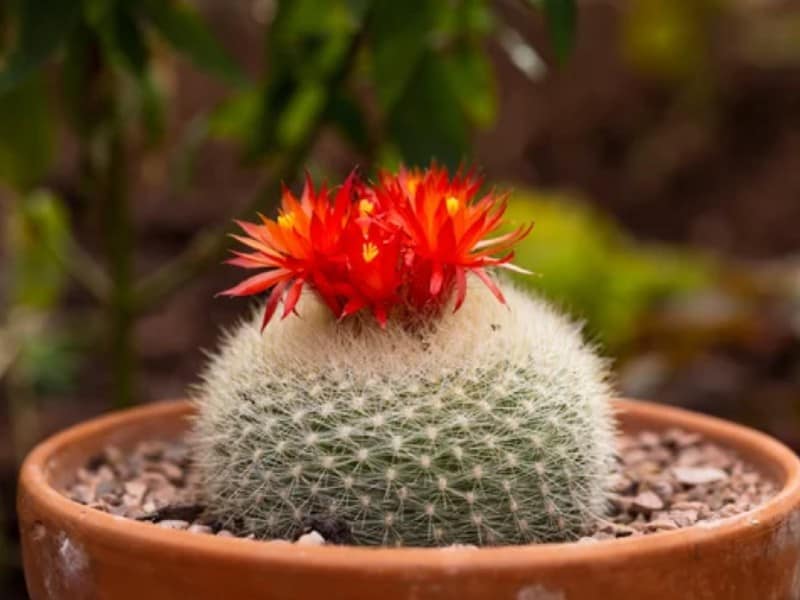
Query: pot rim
x,y
124,532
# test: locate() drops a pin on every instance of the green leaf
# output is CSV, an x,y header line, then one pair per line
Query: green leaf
x,y
464,18
124,42
143,101
185,30
184,162
49,361
346,115
151,106
121,36
471,78
237,116
26,134
128,41
426,122
38,230
300,21
95,12
42,27
400,34
300,113
77,71
562,16
306,48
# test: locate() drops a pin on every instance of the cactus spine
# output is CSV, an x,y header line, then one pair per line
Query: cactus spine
x,y
490,425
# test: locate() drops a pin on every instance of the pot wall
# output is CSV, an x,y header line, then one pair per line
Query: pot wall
x,y
74,552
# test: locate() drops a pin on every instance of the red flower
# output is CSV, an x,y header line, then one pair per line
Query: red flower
x,y
375,273
446,228
411,239
304,245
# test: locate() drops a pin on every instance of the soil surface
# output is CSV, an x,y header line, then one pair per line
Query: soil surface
x,y
663,481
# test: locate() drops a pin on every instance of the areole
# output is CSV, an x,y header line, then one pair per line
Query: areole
x,y
72,551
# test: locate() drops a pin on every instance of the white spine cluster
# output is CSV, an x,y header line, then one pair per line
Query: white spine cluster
x,y
492,426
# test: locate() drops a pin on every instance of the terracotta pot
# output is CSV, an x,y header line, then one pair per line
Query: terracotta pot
x,y
74,552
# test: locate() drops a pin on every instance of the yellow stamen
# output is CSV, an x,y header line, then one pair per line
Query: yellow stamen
x,y
286,220
365,207
412,183
452,205
369,251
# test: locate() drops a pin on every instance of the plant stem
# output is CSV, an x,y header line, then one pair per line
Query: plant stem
x,y
118,231
101,127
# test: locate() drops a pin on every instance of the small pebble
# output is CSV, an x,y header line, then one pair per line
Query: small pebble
x,y
136,490
649,440
172,472
311,539
81,493
620,484
113,455
680,438
684,518
173,524
197,528
106,487
662,524
647,502
662,488
699,475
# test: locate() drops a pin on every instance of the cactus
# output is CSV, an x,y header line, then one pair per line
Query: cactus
x,y
487,425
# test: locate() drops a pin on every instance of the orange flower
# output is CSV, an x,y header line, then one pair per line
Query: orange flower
x,y
409,240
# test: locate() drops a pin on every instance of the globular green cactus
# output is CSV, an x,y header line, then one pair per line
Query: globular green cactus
x,y
489,425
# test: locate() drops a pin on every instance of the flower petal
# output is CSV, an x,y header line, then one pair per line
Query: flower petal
x,y
257,283
461,287
437,279
290,301
484,277
272,303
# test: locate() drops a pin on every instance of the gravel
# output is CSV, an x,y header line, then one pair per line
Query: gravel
x,y
663,481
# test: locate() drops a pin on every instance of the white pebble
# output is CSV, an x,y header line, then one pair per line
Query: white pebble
x,y
173,524
311,538
197,528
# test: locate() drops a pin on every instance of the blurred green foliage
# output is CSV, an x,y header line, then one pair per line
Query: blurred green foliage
x,y
26,143
670,38
426,67
423,66
37,232
43,355
399,81
48,362
589,266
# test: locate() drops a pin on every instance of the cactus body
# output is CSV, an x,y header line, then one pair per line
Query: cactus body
x,y
490,426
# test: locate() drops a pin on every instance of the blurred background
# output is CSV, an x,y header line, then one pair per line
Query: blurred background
x,y
655,143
